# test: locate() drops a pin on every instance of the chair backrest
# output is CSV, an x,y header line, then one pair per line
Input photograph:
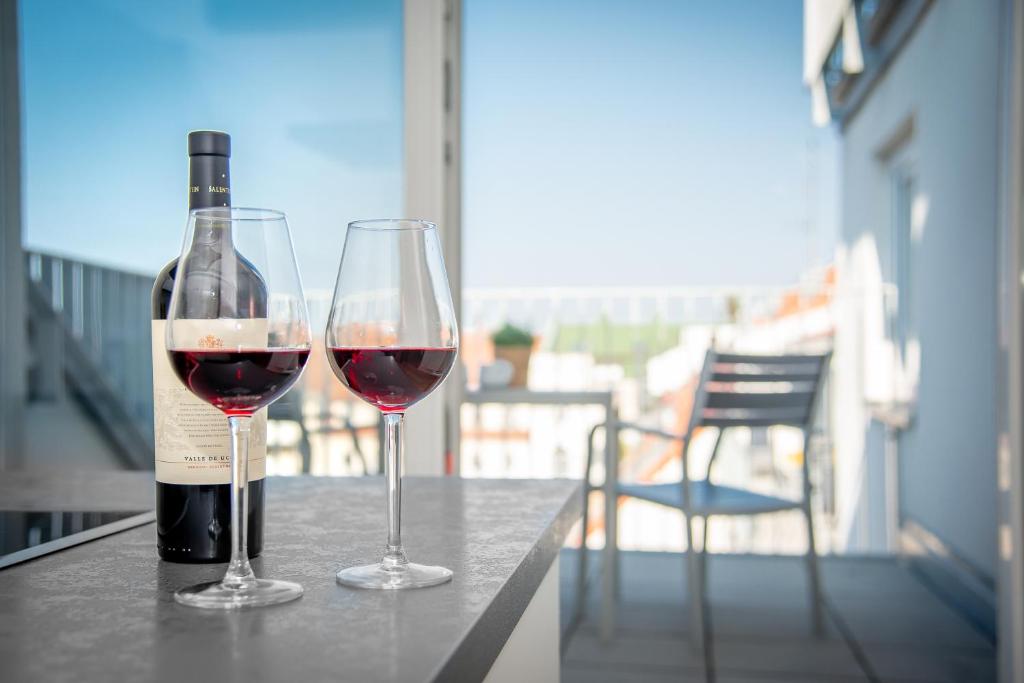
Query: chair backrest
x,y
742,390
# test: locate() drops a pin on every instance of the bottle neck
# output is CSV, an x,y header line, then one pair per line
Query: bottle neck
x,y
209,185
209,181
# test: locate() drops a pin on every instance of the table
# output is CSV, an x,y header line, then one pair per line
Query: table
x,y
104,610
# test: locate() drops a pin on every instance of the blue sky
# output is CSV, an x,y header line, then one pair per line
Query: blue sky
x,y
655,143
311,93
659,143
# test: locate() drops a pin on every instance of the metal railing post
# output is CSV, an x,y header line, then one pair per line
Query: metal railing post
x,y
48,360
609,563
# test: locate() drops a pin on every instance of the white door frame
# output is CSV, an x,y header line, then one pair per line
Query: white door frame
x,y
433,191
1010,456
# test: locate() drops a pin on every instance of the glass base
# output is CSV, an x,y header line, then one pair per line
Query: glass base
x,y
216,596
404,576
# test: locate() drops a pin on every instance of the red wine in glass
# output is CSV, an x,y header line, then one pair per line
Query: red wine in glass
x,y
239,382
391,378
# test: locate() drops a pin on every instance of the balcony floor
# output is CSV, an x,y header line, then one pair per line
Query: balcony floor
x,y
883,624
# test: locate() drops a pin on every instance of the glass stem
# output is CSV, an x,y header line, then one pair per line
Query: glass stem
x,y
239,574
394,556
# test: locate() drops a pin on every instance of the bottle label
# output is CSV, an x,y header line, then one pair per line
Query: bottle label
x,y
193,443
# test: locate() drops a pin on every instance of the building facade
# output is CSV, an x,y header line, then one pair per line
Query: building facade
x,y
926,97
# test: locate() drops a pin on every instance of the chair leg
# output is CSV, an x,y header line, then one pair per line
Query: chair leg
x,y
617,574
704,561
705,605
609,563
306,450
696,590
813,575
581,573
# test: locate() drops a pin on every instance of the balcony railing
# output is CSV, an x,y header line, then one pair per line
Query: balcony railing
x,y
90,333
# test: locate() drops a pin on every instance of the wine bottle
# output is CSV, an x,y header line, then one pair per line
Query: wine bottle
x,y
193,492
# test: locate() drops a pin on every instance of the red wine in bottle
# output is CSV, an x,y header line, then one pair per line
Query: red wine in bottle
x,y
193,491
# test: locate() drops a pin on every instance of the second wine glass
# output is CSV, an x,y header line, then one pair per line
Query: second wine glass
x,y
392,339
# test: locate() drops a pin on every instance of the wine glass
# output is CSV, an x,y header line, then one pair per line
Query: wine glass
x,y
238,337
391,339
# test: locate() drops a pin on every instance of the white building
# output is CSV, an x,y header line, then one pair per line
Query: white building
x,y
926,98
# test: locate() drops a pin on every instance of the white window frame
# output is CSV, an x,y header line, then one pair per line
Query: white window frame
x,y
12,267
901,262
1010,455
432,191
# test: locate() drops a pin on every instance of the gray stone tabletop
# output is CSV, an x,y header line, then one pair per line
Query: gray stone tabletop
x,y
104,611
76,490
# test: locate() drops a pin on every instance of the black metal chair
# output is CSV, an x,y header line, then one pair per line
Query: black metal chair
x,y
734,390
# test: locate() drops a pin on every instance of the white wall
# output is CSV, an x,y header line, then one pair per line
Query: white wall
x,y
945,79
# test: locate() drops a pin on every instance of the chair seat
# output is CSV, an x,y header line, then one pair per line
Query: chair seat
x,y
709,499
